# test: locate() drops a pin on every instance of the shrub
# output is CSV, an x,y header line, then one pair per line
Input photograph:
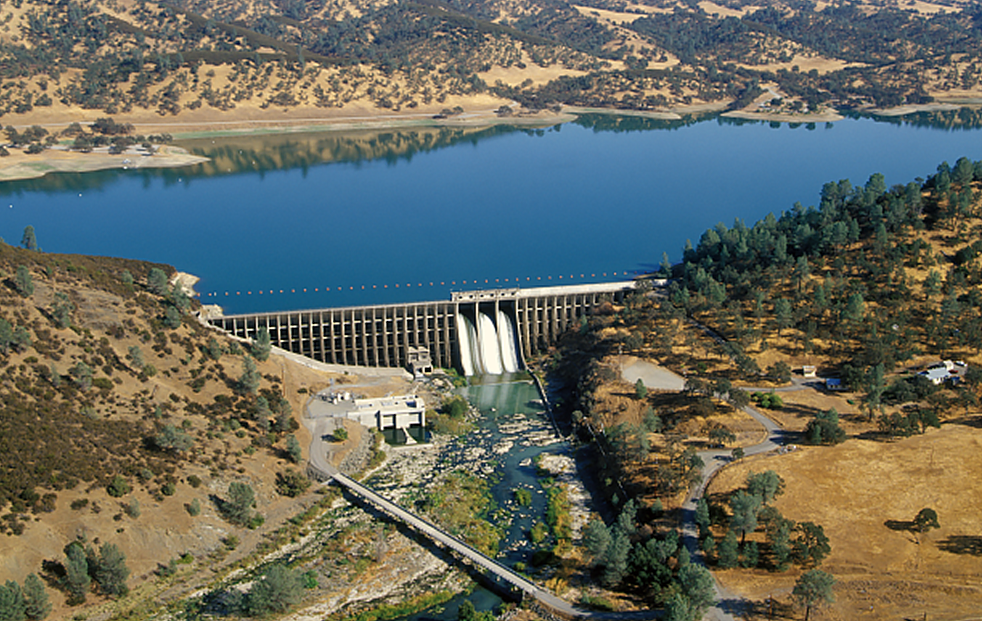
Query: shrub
x,y
193,507
119,487
278,590
291,483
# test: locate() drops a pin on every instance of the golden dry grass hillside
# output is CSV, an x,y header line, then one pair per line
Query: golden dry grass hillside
x,y
102,358
198,62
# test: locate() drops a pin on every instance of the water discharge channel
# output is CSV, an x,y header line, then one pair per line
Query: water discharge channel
x,y
512,431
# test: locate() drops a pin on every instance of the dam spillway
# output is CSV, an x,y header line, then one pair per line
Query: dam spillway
x,y
483,331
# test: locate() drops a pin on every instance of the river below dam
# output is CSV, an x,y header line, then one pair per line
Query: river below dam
x,y
512,433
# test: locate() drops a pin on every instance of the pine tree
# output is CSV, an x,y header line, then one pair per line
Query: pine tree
x,y
615,562
76,579
23,282
812,589
12,605
261,345
596,538
745,507
765,485
751,554
37,605
157,281
249,380
293,449
727,554
238,507
702,517
111,571
697,586
29,240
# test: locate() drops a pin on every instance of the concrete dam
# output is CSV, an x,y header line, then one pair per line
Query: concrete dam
x,y
486,331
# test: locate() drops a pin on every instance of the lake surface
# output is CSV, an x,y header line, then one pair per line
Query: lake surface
x,y
410,215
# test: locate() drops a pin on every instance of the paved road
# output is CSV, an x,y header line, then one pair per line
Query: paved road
x,y
727,604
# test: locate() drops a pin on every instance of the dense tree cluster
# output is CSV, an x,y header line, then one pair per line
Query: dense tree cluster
x,y
788,276
658,567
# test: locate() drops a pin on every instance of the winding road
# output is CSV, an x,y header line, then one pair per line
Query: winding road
x,y
657,377
726,604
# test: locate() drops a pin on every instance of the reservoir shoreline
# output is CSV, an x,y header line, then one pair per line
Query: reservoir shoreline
x,y
20,166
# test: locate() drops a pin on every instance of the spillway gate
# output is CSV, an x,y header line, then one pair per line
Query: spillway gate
x,y
382,335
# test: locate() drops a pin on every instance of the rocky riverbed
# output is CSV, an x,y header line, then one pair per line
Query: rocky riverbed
x,y
362,559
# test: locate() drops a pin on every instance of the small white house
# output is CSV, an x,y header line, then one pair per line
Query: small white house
x,y
945,371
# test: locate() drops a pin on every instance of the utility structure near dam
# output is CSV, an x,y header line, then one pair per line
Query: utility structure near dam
x,y
485,331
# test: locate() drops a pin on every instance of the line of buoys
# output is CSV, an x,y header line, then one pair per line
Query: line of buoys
x,y
442,283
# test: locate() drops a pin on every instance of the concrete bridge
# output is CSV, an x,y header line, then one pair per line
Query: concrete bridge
x,y
382,335
527,589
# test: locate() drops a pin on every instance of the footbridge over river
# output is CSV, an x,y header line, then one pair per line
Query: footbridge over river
x,y
500,573
484,331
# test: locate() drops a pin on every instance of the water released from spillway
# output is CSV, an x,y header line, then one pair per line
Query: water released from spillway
x,y
489,347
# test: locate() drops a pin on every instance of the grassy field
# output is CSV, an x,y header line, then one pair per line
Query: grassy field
x,y
865,494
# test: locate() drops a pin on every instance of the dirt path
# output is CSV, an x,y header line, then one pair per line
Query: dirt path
x,y
727,604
